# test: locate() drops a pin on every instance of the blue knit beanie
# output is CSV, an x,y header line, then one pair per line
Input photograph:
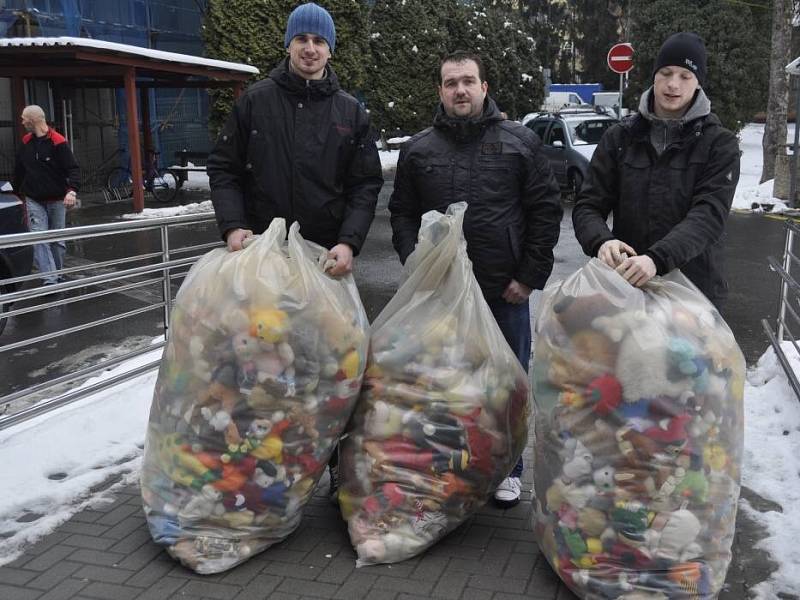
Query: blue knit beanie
x,y
310,18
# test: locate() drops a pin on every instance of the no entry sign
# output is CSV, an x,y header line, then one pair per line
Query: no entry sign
x,y
620,58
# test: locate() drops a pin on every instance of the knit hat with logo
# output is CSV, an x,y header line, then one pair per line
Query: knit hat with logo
x,y
685,50
310,18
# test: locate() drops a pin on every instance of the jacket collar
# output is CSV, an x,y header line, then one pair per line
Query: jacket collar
x,y
297,86
464,130
697,118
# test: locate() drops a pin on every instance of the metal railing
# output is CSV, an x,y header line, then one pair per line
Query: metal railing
x,y
163,263
788,306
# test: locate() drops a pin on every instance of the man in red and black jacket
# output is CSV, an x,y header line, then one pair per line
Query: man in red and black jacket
x,y
46,177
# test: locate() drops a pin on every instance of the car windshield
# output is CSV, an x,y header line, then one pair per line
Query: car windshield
x,y
588,131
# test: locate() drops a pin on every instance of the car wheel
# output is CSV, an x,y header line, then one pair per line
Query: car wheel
x,y
575,182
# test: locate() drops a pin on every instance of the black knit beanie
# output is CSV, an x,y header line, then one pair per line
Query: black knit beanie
x,y
683,50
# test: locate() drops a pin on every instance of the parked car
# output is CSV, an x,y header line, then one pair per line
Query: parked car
x,y
17,260
569,139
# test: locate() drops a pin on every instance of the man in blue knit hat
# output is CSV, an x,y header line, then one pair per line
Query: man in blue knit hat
x,y
297,146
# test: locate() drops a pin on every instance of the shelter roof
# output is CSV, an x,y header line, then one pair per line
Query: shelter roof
x,y
91,59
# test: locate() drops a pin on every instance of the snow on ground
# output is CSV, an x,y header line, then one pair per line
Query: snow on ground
x,y
52,462
771,469
749,191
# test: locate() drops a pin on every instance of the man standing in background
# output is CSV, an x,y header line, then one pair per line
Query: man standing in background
x,y
46,178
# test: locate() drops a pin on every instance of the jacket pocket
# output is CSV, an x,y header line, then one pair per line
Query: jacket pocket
x,y
514,244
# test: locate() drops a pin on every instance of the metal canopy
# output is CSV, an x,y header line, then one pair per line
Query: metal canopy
x,y
81,62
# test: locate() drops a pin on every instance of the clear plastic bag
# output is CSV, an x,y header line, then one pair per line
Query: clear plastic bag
x,y
639,436
443,414
260,375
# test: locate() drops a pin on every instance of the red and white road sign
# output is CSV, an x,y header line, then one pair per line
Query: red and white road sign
x,y
620,58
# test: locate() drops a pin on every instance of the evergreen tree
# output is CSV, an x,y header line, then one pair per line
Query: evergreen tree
x,y
546,22
597,28
406,43
736,38
251,32
497,33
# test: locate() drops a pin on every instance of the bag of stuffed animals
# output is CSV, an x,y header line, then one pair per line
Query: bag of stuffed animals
x,y
639,436
260,375
443,414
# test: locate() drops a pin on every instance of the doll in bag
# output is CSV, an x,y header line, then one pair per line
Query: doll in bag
x,y
443,414
639,436
260,374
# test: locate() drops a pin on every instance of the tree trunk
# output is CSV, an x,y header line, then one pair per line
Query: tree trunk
x,y
777,106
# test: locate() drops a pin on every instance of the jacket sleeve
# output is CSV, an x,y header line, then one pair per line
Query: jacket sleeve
x,y
598,196
226,169
404,208
704,223
541,202
362,183
66,159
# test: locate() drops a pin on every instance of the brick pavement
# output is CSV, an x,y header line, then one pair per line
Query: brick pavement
x,y
106,554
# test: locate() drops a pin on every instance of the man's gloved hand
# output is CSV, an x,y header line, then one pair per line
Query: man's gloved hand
x,y
235,238
613,252
637,270
343,255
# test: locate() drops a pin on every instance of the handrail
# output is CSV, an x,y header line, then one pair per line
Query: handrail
x,y
150,283
790,289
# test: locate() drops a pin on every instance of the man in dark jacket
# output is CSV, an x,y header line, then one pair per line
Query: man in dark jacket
x,y
668,175
46,177
296,146
513,217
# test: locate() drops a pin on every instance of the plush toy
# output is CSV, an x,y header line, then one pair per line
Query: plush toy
x,y
577,461
672,536
202,505
575,313
269,325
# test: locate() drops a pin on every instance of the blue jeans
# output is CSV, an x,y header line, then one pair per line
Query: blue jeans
x,y
515,323
48,257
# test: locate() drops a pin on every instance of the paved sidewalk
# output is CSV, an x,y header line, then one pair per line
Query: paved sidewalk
x,y
107,553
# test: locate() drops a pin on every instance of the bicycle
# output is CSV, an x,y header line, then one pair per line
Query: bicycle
x,y
162,183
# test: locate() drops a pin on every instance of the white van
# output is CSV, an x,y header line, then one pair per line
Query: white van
x,y
557,100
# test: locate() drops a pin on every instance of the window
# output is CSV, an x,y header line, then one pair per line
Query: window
x,y
556,135
539,127
589,132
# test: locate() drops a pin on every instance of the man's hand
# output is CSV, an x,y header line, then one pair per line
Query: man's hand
x,y
70,198
611,252
343,255
637,270
236,237
516,292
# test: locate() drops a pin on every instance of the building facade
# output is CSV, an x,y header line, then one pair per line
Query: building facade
x,y
93,119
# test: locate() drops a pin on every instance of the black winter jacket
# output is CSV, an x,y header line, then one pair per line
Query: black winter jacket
x,y
672,207
301,150
514,210
45,169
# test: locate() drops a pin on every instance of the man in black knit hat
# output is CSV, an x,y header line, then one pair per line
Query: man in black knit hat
x,y
668,174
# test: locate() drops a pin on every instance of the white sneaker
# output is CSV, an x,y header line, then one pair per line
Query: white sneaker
x,y
508,492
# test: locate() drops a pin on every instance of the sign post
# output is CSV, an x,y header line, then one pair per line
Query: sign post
x,y
620,60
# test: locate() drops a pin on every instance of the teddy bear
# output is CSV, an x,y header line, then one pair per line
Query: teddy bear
x,y
576,313
672,536
269,324
577,461
205,503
